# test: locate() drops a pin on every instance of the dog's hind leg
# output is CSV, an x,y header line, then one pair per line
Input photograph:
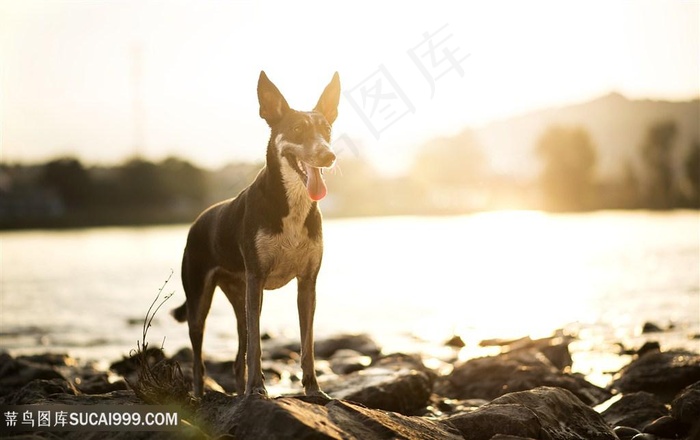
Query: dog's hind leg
x,y
199,296
235,292
306,303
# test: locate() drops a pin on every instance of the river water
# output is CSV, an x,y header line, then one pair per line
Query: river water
x,y
411,282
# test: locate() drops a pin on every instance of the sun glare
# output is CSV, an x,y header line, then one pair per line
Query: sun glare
x,y
523,276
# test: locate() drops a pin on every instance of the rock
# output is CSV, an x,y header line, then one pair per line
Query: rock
x,y
215,411
561,414
98,383
635,410
397,383
644,436
325,348
650,327
441,407
346,361
221,373
694,432
625,432
455,341
16,373
400,361
183,355
502,342
39,391
510,437
277,351
661,373
129,365
312,418
667,427
647,347
491,377
53,359
490,420
558,355
686,406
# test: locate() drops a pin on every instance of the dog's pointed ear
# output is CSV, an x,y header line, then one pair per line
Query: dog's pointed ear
x,y
328,102
273,106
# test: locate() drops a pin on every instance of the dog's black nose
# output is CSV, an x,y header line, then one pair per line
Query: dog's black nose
x,y
327,158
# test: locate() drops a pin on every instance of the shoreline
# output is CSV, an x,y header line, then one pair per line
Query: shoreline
x,y
596,356
417,390
596,353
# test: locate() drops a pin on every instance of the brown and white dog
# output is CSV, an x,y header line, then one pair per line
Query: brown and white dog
x,y
264,237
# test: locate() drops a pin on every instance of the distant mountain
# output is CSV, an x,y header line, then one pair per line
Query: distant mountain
x,y
617,127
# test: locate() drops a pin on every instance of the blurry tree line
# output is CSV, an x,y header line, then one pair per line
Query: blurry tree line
x,y
452,175
449,175
64,192
569,182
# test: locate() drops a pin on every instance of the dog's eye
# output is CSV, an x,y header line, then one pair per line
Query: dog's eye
x,y
297,129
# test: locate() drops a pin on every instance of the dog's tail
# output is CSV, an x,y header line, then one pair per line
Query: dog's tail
x,y
180,313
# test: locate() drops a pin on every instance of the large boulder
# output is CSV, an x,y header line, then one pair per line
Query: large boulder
x,y
16,373
686,407
301,418
661,373
396,383
561,414
489,420
491,377
40,391
635,410
542,414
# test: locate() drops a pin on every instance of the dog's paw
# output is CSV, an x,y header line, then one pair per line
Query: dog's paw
x,y
256,391
318,393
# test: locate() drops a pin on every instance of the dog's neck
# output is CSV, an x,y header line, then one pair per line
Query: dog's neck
x,y
282,183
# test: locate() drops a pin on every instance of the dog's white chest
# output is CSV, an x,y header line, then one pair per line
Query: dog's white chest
x,y
288,254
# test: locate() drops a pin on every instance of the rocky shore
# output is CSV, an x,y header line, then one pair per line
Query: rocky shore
x,y
526,392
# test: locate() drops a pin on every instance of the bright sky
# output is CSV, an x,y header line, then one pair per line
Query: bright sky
x,y
68,68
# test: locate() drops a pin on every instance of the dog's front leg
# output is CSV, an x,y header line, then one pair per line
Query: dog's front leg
x,y
306,303
254,293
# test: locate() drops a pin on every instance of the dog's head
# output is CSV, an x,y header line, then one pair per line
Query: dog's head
x,y
301,139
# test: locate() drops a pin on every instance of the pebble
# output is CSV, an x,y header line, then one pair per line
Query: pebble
x,y
650,327
455,341
666,427
625,432
648,346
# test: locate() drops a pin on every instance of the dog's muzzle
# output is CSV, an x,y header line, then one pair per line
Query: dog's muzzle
x,y
313,172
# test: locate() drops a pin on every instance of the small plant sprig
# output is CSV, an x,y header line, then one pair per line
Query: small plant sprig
x,y
142,346
159,379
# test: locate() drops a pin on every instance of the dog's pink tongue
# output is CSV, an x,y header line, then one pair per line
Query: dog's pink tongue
x,y
315,184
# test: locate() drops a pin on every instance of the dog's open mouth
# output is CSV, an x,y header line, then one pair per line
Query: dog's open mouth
x,y
313,178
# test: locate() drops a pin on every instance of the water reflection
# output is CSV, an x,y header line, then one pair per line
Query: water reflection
x,y
402,279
